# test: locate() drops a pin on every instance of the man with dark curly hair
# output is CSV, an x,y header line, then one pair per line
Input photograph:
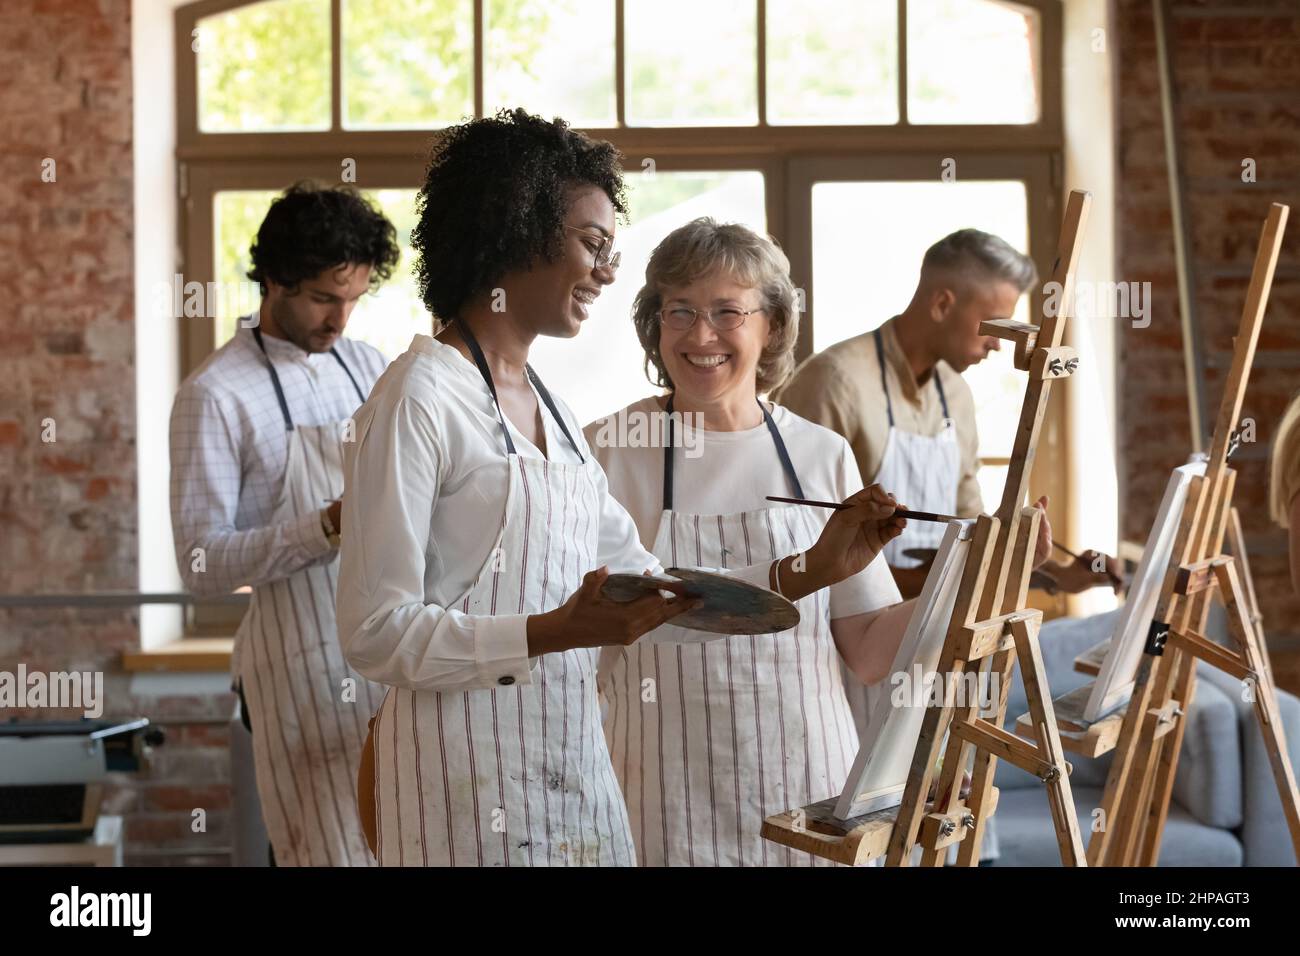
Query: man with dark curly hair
x,y
480,530
257,435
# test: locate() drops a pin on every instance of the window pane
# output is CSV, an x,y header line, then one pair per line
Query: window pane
x,y
385,319
553,59
691,63
971,61
863,274
265,67
600,371
992,480
235,218
407,63
831,62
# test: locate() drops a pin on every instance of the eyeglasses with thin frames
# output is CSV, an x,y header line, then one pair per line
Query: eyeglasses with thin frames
x,y
606,257
681,319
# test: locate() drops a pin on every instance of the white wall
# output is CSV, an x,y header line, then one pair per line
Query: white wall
x,y
1090,164
157,341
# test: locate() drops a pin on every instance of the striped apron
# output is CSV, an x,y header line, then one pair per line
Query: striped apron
x,y
510,776
709,737
307,709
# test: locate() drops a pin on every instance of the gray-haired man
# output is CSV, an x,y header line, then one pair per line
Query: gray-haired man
x,y
897,395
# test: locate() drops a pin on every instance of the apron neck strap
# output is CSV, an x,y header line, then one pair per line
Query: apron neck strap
x,y
348,372
481,361
786,464
275,380
884,381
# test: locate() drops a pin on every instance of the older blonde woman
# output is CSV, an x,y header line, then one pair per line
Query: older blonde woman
x,y
708,737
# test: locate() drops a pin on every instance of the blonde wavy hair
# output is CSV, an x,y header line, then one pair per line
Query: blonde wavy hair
x,y
1279,509
700,248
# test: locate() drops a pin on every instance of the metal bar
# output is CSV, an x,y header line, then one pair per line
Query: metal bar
x,y
118,599
1193,352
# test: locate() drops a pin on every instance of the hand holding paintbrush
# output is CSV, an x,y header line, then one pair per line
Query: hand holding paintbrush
x,y
858,531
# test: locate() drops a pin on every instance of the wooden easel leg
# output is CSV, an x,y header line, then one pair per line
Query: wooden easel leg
x,y
919,778
947,789
1059,796
1237,547
1167,765
1101,846
1266,709
981,787
1137,796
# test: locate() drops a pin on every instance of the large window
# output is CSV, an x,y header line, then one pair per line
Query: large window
x,y
857,133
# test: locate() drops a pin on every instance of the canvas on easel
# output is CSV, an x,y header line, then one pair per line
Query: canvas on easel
x,y
880,771
1119,669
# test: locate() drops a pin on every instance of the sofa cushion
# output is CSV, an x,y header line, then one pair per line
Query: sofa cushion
x,y
1026,836
1208,782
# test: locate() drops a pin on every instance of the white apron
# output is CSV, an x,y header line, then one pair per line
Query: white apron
x,y
708,738
510,776
306,708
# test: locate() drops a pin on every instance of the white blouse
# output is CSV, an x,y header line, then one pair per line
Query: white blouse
x,y
425,484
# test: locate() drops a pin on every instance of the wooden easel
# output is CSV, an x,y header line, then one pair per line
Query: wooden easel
x,y
990,628
1147,734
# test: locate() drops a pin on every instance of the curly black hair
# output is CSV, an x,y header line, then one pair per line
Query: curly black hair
x,y
494,201
310,228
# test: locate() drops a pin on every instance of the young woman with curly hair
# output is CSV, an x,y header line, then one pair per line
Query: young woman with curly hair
x,y
479,529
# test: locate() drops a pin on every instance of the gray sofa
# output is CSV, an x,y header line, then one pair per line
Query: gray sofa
x,y
1225,809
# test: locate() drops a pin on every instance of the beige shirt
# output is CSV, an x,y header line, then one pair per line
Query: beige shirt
x,y
841,388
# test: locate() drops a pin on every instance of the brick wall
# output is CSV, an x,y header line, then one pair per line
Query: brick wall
x,y
1237,68
68,506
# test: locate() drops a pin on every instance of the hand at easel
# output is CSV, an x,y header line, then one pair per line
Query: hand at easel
x,y
1087,570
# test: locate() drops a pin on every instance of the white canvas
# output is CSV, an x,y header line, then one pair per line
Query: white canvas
x,y
884,758
1118,672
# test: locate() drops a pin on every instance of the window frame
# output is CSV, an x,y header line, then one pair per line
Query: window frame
x,y
208,163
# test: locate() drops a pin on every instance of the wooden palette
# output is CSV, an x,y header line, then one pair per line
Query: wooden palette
x,y
731,606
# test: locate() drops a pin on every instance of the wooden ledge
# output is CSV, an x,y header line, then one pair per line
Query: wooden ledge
x,y
185,655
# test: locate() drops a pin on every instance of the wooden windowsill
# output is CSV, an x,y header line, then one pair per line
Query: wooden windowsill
x,y
185,655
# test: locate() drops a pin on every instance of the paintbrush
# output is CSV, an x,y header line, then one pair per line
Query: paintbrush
x,y
838,506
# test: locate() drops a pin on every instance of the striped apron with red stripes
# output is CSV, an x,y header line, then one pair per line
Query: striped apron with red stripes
x,y
709,737
510,776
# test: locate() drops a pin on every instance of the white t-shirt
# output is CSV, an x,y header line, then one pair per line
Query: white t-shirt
x,y
728,472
